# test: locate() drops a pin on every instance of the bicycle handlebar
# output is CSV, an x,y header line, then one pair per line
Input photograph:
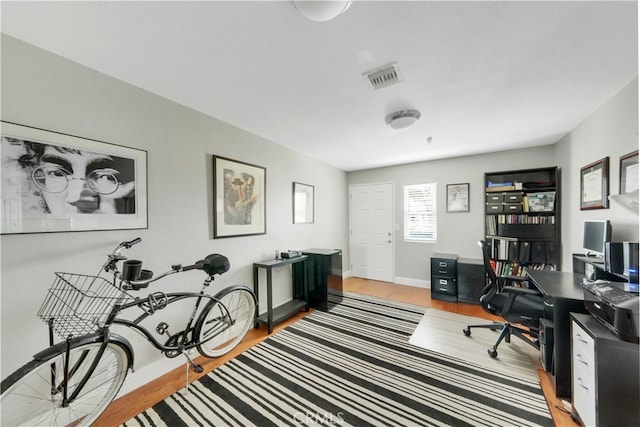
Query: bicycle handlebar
x,y
131,242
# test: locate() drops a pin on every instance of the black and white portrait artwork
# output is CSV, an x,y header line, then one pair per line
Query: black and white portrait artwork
x,y
55,186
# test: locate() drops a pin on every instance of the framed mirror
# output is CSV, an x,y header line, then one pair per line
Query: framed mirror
x,y
302,203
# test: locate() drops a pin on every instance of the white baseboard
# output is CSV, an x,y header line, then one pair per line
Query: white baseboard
x,y
413,282
149,373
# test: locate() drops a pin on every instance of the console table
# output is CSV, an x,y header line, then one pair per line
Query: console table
x,y
277,314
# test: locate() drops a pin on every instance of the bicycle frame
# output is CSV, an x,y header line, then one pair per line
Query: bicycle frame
x,y
149,306
171,298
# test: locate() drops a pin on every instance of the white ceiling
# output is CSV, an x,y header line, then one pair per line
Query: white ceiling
x,y
486,75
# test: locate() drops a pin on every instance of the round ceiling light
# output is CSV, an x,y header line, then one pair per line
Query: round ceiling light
x,y
402,119
321,11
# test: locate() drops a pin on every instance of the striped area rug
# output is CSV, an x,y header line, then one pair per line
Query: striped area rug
x,y
351,366
441,331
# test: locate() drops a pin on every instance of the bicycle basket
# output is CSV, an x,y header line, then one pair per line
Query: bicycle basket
x,y
77,304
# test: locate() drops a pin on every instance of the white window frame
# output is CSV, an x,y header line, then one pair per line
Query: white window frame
x,y
420,213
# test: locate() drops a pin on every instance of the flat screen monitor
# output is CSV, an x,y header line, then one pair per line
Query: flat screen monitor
x,y
594,235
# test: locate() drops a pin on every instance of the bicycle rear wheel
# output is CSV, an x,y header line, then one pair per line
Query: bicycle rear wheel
x,y
225,321
33,395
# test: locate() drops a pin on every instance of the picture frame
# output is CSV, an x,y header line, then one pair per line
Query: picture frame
x,y
594,185
458,197
303,203
56,182
239,194
628,173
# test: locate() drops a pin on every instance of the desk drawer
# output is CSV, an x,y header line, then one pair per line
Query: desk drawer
x,y
583,343
583,374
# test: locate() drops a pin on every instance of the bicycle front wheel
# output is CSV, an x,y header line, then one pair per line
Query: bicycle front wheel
x,y
34,395
225,321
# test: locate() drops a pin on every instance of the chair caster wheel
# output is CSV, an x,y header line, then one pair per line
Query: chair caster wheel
x,y
466,332
492,352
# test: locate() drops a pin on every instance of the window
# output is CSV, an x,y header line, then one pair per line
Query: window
x,y
420,223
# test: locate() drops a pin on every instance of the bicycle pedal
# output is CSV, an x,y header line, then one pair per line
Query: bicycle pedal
x,y
172,353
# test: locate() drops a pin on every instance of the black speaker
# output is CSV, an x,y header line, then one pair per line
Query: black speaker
x,y
614,257
546,345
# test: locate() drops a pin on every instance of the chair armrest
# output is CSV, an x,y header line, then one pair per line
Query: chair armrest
x,y
522,291
515,278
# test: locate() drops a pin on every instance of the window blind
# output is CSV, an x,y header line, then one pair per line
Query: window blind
x,y
420,221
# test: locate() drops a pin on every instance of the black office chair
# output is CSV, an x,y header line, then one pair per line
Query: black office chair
x,y
521,307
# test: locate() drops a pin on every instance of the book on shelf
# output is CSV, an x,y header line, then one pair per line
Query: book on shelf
x,y
519,219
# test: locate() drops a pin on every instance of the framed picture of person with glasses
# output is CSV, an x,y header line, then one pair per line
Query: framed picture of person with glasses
x,y
53,182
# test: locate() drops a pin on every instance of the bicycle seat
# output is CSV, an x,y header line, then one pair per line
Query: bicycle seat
x,y
215,264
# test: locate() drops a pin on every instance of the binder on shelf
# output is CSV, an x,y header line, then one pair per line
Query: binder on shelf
x,y
552,252
539,252
524,251
513,250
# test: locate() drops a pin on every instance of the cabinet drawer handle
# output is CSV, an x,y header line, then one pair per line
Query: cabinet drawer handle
x,y
579,337
580,383
579,357
443,282
442,264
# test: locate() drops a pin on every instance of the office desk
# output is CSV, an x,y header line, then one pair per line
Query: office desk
x,y
562,295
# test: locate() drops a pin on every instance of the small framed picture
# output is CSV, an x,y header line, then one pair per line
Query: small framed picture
x,y
594,185
239,197
458,197
302,203
55,182
629,173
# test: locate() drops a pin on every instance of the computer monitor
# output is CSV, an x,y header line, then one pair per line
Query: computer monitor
x,y
595,234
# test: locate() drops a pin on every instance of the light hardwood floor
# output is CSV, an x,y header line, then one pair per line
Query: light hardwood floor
x,y
137,401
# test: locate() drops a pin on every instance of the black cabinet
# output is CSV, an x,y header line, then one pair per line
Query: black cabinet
x,y
444,277
324,271
471,280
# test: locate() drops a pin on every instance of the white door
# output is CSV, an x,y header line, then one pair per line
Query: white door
x,y
371,237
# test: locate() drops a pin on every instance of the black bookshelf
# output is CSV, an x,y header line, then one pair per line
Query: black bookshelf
x,y
522,219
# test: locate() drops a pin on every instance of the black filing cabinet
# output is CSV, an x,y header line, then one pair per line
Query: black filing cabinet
x,y
471,280
324,271
444,277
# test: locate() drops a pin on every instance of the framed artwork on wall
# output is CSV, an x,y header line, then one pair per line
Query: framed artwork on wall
x,y
303,210
594,185
239,197
55,182
629,173
458,197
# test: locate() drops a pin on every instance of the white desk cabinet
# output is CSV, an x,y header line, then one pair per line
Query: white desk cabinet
x,y
605,375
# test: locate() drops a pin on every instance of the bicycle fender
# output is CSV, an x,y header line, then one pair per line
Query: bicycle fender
x,y
55,349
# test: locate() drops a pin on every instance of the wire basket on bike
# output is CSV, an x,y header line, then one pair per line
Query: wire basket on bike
x,y
78,304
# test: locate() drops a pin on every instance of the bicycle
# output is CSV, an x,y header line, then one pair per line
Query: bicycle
x,y
73,381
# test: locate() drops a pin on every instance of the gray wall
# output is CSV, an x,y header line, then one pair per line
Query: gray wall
x,y
611,131
46,91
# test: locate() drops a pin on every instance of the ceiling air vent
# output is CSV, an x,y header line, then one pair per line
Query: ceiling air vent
x,y
385,76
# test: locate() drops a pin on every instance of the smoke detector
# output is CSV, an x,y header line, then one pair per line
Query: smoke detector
x,y
402,119
385,76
